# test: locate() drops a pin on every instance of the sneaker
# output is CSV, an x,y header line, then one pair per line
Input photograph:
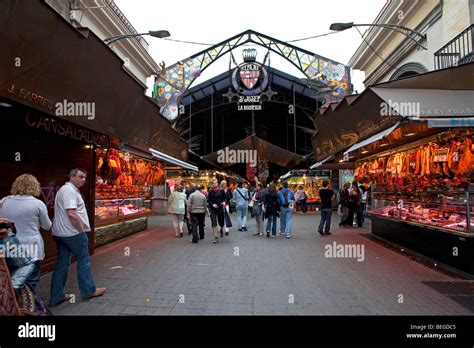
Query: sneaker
x,y
255,234
321,232
240,230
216,240
288,237
98,292
227,233
328,233
274,236
268,234
260,234
244,228
192,241
181,235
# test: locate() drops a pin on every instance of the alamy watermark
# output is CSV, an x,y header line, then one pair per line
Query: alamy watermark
x,y
344,251
227,156
406,109
14,250
84,109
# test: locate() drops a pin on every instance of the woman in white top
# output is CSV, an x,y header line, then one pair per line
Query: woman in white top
x,y
29,215
177,208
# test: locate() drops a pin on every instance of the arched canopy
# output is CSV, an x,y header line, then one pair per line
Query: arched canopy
x,y
177,78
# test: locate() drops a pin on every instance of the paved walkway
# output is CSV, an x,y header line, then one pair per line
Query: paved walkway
x,y
250,275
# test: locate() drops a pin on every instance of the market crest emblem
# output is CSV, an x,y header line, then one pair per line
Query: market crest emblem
x,y
250,77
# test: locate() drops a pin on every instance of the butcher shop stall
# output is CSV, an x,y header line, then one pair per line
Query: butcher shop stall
x,y
419,164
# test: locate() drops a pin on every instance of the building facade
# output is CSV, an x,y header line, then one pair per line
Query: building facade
x,y
105,19
386,54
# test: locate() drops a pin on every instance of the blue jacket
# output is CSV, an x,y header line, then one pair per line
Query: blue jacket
x,y
291,196
241,202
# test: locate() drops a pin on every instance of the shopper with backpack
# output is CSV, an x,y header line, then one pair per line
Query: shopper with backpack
x,y
271,205
287,201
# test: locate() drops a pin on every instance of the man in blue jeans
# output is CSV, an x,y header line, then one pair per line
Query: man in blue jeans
x,y
287,201
327,196
70,227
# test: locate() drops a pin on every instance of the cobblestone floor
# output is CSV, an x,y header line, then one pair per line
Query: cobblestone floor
x,y
250,275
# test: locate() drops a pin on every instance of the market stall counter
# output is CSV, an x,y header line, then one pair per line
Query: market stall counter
x,y
422,196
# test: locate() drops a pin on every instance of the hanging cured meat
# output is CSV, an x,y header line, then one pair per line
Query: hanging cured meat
x,y
453,157
418,165
466,162
105,168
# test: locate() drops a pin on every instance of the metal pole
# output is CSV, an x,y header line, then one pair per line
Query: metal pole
x,y
294,116
253,123
212,122
468,212
190,114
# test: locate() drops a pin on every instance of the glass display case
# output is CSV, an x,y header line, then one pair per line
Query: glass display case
x,y
120,203
447,211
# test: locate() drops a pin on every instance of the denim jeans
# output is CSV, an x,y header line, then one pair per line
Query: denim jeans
x,y
242,216
325,220
272,224
20,275
67,246
34,278
286,215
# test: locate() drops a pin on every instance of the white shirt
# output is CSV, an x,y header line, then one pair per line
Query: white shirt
x,y
29,215
68,197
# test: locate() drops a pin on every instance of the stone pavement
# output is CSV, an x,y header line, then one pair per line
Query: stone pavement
x,y
154,273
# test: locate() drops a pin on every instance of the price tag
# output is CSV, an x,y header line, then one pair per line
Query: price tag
x,y
400,204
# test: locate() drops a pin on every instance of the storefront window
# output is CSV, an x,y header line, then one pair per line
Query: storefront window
x,y
124,185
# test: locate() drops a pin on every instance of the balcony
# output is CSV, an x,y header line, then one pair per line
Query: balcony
x,y
457,51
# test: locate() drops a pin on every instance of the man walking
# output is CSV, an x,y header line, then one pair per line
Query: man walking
x,y
70,227
287,200
344,202
326,195
197,206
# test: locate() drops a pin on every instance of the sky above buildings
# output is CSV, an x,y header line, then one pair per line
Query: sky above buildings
x,y
211,22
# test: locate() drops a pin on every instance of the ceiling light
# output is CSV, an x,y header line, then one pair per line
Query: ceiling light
x,y
6,105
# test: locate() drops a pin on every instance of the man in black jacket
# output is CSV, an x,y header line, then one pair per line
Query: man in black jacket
x,y
344,202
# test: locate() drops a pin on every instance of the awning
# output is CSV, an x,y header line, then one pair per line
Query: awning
x,y
169,159
428,103
265,151
450,122
372,139
316,165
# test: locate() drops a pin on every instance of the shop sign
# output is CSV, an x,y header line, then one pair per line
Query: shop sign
x,y
440,155
64,129
31,97
250,78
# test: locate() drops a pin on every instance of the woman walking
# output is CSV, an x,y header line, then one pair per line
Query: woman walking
x,y
257,210
227,198
29,214
354,206
271,205
177,209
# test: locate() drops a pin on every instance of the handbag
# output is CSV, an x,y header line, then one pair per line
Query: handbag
x,y
257,209
252,202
